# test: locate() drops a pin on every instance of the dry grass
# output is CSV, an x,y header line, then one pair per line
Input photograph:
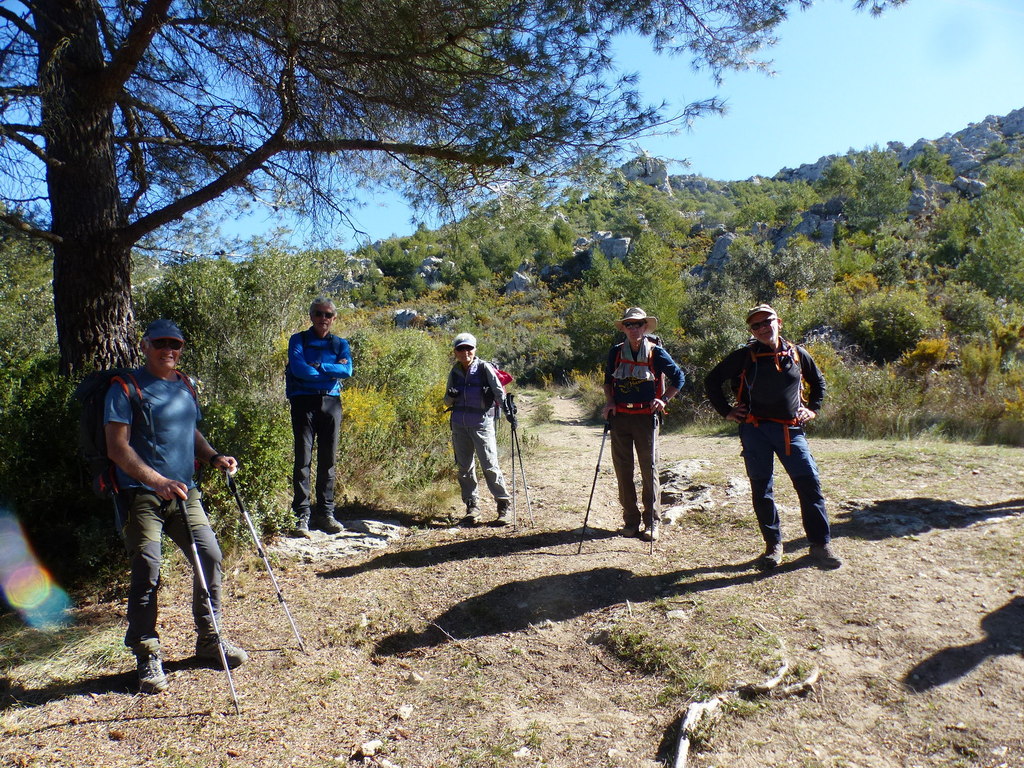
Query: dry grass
x,y
492,647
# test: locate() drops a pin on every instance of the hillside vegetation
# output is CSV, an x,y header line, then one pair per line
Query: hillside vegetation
x,y
902,269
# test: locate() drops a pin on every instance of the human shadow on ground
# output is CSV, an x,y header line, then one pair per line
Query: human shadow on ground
x,y
17,696
1004,635
467,549
891,518
517,605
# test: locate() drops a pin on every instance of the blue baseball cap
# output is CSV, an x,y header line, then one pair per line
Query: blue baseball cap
x,y
164,329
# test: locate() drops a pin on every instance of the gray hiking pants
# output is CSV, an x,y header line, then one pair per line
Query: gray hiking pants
x,y
472,442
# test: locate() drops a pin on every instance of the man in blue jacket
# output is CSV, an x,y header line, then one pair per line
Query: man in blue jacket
x,y
317,362
640,378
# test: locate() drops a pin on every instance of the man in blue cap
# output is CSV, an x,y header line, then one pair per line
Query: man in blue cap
x,y
154,441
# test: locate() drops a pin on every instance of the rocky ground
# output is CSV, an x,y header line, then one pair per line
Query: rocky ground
x,y
432,646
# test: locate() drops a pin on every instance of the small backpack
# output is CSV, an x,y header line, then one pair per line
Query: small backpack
x,y
92,437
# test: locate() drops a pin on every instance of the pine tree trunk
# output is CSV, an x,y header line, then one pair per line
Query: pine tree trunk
x,y
92,264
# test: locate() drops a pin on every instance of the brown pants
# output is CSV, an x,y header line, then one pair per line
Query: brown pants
x,y
636,431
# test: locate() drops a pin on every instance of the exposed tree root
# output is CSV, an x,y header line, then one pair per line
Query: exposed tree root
x,y
698,711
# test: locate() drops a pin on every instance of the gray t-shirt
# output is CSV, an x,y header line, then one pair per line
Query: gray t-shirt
x,y
168,446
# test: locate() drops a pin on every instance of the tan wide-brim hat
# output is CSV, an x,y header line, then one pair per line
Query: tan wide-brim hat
x,y
635,313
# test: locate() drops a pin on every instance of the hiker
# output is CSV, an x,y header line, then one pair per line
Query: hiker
x,y
474,394
318,361
154,447
635,399
770,373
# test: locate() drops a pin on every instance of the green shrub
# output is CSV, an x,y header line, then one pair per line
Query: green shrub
x,y
395,438
42,481
888,323
866,400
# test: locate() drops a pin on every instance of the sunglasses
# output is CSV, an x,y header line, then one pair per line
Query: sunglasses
x,y
464,348
167,343
634,324
320,313
762,324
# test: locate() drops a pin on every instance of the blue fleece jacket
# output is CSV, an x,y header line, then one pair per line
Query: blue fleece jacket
x,y
316,366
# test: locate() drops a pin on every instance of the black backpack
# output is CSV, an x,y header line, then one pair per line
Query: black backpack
x,y
92,438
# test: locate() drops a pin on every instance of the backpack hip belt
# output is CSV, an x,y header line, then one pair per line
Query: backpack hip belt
x,y
756,421
636,407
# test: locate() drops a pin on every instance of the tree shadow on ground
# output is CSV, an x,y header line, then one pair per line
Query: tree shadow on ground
x,y
516,605
1004,635
466,549
892,518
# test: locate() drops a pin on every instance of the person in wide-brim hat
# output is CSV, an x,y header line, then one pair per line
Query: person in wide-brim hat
x,y
635,313
640,377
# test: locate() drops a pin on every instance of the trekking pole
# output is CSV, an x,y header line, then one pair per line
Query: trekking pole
x,y
201,578
656,511
583,533
510,413
522,474
230,479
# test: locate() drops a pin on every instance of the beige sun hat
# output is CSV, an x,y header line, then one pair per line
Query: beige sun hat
x,y
635,313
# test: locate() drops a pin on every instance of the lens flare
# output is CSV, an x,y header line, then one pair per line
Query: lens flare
x,y
26,584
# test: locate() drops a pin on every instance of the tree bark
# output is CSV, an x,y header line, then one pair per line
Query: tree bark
x,y
92,260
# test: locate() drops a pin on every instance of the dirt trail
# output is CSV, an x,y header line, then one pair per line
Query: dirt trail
x,y
489,647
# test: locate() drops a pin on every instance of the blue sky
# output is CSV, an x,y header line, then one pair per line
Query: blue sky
x,y
843,80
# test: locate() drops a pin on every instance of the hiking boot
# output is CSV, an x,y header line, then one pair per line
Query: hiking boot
x,y
325,522
151,670
504,513
301,529
825,557
629,531
206,650
472,517
652,532
771,558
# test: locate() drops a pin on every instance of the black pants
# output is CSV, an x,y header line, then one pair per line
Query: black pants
x,y
315,417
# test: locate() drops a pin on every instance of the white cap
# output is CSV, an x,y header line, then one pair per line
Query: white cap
x,y
464,338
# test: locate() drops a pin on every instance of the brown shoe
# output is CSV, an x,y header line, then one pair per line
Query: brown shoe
x,y
652,532
825,557
771,558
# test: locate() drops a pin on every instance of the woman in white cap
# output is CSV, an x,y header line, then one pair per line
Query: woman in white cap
x,y
474,393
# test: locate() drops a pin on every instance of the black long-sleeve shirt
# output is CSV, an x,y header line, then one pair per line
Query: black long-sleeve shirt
x,y
772,383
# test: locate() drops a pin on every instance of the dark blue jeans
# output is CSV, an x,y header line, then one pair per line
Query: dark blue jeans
x,y
761,444
315,417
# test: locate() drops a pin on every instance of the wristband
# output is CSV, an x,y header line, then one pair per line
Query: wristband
x,y
214,458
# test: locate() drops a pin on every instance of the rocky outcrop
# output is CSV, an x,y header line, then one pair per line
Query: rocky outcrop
x,y
966,149
648,170
355,273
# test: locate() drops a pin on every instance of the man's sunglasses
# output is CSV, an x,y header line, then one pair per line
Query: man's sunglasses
x,y
321,313
762,324
167,343
634,324
464,348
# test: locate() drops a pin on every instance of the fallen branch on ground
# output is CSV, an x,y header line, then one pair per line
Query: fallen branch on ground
x,y
698,711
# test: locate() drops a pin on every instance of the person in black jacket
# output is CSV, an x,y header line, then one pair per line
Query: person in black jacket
x,y
768,376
